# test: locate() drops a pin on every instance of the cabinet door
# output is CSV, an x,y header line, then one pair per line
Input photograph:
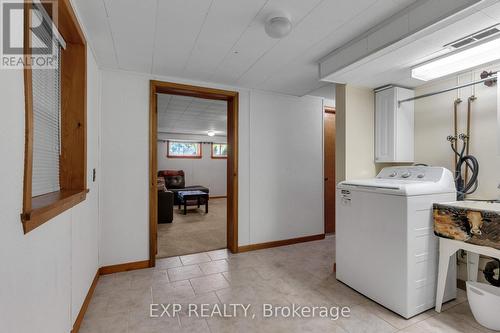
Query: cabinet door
x,y
404,129
384,125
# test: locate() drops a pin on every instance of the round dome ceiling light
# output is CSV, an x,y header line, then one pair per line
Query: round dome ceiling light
x,y
278,26
211,133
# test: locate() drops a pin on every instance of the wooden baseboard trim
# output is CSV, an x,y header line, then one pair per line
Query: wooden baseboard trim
x,y
129,266
260,246
218,197
85,305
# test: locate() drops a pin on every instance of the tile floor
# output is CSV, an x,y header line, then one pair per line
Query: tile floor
x,y
300,274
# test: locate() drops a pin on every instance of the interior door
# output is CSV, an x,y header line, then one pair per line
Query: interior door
x,y
329,169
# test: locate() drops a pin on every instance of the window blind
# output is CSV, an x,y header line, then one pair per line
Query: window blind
x,y
46,86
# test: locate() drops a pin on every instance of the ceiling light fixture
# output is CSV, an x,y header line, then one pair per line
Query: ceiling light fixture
x,y
475,55
278,25
211,133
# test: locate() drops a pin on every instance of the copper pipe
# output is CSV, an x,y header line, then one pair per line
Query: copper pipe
x,y
455,127
469,106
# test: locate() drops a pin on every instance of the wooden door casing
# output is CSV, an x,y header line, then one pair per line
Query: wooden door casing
x,y
329,169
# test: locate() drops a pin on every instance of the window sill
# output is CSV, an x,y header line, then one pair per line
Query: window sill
x,y
48,206
192,157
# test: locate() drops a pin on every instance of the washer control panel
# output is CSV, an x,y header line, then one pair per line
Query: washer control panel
x,y
416,173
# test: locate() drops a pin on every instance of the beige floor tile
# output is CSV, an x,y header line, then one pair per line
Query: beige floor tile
x,y
245,260
279,276
196,258
126,301
445,324
242,277
393,318
194,325
111,284
193,304
232,325
184,272
170,292
363,320
142,322
116,323
219,254
462,312
168,262
212,267
160,277
209,283
461,297
97,306
313,325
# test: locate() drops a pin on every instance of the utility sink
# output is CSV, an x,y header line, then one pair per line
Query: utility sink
x,y
474,222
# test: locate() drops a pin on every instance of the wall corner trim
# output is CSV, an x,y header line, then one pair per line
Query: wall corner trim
x,y
85,305
129,266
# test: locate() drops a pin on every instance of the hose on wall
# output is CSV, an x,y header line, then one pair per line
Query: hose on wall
x,y
464,186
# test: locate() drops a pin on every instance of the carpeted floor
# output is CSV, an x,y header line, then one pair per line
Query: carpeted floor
x,y
194,232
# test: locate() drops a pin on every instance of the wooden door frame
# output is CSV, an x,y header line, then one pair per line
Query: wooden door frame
x,y
232,98
331,110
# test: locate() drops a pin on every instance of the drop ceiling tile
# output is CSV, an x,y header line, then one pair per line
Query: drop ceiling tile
x,y
132,20
361,21
254,43
179,23
493,11
296,80
196,39
224,24
309,30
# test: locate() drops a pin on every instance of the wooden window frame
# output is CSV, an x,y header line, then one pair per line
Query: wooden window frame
x,y
200,151
214,157
73,160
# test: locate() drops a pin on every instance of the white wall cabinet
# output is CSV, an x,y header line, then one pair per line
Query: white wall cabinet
x,y
394,125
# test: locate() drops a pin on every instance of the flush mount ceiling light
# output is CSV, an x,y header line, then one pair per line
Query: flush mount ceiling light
x,y
278,25
211,133
473,56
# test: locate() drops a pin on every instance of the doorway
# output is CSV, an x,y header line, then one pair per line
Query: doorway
x,y
329,168
231,99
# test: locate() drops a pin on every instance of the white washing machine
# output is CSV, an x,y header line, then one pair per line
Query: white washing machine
x,y
385,243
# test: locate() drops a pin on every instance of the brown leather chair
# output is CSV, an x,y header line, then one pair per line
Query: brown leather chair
x,y
175,181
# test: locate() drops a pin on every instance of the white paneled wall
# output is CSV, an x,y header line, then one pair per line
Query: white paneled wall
x,y
280,160
45,274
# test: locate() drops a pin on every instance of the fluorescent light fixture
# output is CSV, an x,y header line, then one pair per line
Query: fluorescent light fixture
x,y
474,56
211,133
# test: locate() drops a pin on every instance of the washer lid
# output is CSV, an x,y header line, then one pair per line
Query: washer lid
x,y
440,182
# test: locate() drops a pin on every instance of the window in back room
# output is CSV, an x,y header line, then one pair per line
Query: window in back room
x,y
184,149
219,150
